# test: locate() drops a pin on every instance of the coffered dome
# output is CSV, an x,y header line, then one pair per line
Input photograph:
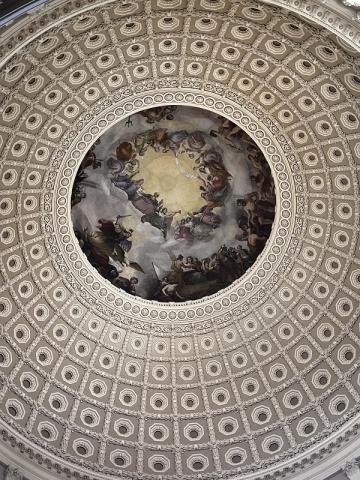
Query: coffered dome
x,y
256,378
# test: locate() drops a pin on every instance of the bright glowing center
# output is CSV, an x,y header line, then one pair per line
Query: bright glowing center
x,y
173,178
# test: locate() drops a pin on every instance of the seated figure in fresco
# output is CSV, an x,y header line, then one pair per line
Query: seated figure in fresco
x,y
255,241
127,169
129,186
244,255
188,265
151,138
211,163
157,114
144,202
230,132
197,225
261,210
124,152
174,140
194,145
255,216
204,171
154,199
242,213
124,162
257,159
212,157
264,185
126,284
215,189
261,178
183,230
213,175
191,273
195,141
208,217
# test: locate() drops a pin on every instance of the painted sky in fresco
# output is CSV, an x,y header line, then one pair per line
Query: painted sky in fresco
x,y
199,166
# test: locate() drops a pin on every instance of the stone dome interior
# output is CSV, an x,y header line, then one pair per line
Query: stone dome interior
x,y
102,380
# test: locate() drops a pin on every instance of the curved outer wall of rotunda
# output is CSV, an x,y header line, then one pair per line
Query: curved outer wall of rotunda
x,y
259,379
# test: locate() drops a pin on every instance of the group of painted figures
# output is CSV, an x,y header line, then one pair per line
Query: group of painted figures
x,y
188,277
192,278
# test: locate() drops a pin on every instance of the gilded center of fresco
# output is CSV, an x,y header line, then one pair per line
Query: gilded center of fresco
x,y
173,204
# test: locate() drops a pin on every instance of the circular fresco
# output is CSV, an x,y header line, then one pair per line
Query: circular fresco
x,y
173,204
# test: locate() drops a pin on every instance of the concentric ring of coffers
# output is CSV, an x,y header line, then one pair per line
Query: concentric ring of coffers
x,y
250,388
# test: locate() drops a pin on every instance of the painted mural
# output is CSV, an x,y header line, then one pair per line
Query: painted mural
x,y
173,204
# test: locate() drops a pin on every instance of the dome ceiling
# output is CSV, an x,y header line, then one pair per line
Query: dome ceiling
x,y
99,383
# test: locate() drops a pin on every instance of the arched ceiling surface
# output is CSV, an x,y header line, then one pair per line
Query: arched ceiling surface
x,y
254,378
